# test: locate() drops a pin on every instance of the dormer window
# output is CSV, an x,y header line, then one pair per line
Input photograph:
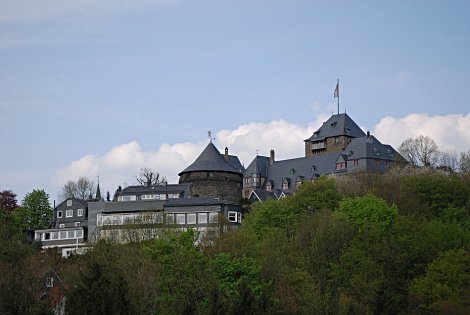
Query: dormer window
x,y
69,203
292,171
333,124
269,187
285,184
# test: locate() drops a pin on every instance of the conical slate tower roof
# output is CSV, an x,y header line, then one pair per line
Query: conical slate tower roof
x,y
210,160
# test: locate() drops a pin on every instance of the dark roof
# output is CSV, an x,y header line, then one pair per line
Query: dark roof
x,y
82,202
235,162
157,189
131,206
210,160
259,165
307,167
337,125
369,147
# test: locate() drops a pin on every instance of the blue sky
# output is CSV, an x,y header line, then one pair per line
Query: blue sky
x,y
85,84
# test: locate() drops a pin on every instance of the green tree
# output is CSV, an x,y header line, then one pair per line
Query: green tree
x,y
241,284
185,282
445,287
320,194
369,211
35,212
426,195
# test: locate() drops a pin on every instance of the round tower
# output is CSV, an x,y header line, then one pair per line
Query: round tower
x,y
214,175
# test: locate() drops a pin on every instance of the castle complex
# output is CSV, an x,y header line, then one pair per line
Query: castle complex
x,y
211,189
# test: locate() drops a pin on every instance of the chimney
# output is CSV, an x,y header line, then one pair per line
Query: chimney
x,y
368,134
226,154
271,157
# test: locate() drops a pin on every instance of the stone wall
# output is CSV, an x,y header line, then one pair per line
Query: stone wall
x,y
222,185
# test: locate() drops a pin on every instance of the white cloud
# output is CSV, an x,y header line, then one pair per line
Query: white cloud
x,y
123,162
450,132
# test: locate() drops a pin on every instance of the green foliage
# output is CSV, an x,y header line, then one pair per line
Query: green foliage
x,y
271,215
445,287
35,212
185,283
369,211
427,195
240,283
101,286
320,194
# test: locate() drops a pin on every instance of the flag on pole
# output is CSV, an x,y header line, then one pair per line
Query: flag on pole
x,y
336,95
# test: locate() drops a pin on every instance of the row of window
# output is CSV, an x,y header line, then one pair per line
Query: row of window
x,y
59,235
69,213
170,218
148,197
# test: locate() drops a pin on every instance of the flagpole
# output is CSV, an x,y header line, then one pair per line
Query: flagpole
x,y
338,96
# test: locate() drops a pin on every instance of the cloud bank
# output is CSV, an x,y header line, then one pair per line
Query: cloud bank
x,y
120,165
450,132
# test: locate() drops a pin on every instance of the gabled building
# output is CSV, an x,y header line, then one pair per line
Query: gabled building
x,y
338,147
69,227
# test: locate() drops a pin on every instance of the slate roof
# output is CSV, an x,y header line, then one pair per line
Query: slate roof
x,y
157,189
211,160
337,125
369,147
259,165
235,162
306,167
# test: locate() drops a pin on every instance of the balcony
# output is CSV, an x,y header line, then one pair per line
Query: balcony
x,y
318,145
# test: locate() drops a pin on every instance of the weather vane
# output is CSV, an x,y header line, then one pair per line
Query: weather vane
x,y
209,134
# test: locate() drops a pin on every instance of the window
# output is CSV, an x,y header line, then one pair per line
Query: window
x,y
191,218
127,198
285,186
55,235
202,218
47,236
337,140
356,162
213,217
232,216
70,234
239,217
49,282
69,203
68,213
79,212
77,224
59,214
62,235
79,233
61,226
180,218
269,187
377,162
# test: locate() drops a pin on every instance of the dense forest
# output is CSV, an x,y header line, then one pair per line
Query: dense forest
x,y
367,244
